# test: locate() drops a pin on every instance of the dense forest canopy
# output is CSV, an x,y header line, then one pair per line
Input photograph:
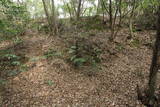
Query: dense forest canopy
x,y
97,53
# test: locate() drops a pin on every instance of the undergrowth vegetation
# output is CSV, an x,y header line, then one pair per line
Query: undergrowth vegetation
x,y
13,23
14,19
84,53
81,37
11,64
90,23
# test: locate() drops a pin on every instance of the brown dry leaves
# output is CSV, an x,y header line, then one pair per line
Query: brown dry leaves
x,y
113,86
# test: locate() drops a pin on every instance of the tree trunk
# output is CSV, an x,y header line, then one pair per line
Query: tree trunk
x,y
47,15
113,21
53,20
79,9
98,6
102,5
70,13
131,19
110,14
120,12
155,65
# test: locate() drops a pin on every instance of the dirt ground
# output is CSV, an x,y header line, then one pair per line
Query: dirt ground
x,y
53,82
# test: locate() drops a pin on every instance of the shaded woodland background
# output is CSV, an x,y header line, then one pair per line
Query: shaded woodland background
x,y
80,53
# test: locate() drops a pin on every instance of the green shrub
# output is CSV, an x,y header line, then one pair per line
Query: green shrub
x,y
17,40
13,19
145,21
2,81
11,64
49,82
9,60
51,53
135,43
119,47
84,55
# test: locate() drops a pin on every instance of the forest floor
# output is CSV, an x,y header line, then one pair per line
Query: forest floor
x,y
53,82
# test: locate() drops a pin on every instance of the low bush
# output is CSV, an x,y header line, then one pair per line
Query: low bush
x,y
146,21
84,52
13,20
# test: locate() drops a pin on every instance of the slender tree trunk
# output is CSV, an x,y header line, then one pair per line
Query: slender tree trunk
x,y
113,21
70,13
73,6
120,12
110,14
102,4
53,20
79,9
131,19
155,65
98,6
47,15
131,27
